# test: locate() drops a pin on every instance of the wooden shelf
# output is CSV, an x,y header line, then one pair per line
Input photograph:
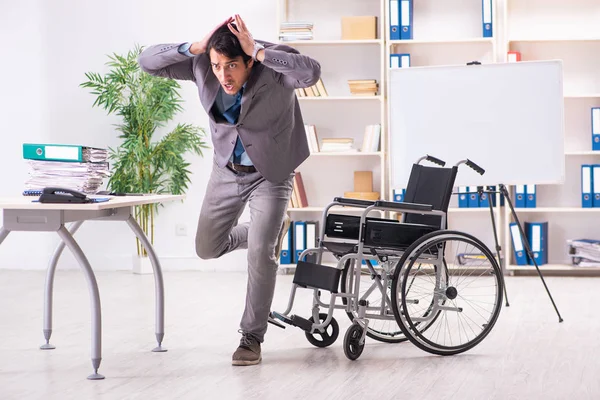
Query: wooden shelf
x,y
331,42
564,39
558,210
346,154
442,41
552,267
470,210
581,95
582,153
333,98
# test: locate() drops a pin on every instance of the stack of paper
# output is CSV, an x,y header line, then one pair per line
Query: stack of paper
x,y
337,145
364,87
66,166
585,252
290,31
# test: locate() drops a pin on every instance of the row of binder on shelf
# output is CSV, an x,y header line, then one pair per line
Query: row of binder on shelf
x,y
590,185
300,236
537,237
468,197
525,196
401,19
399,60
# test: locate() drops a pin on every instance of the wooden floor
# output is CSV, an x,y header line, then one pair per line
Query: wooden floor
x,y
528,355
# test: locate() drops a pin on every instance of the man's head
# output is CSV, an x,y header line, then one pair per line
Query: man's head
x,y
229,63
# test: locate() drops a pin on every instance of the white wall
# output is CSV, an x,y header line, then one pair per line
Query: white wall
x,y
48,47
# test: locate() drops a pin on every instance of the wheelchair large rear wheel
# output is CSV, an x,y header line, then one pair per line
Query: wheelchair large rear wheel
x,y
447,293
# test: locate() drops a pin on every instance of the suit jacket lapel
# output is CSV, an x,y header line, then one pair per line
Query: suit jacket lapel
x,y
249,90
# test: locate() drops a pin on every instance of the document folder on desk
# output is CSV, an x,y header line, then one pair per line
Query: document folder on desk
x,y
63,152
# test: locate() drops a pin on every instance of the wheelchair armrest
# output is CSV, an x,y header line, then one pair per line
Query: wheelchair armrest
x,y
404,206
354,202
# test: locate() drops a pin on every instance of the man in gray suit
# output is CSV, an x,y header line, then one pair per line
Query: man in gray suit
x,y
247,89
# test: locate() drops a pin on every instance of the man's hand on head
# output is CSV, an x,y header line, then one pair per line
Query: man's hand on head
x,y
243,35
200,47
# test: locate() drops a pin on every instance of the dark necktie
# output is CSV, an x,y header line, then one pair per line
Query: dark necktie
x,y
231,115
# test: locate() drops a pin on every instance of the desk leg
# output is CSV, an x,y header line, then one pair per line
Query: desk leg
x,y
3,234
158,283
49,289
94,296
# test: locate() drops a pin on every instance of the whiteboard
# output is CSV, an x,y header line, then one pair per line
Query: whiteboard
x,y
508,118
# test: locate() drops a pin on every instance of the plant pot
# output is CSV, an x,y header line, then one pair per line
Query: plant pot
x,y
141,265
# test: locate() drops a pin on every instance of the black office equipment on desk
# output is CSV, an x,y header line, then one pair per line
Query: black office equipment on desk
x,y
66,196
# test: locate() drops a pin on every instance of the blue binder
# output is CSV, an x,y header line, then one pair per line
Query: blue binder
x,y
406,19
486,18
586,186
530,200
399,195
285,254
299,239
537,235
312,237
394,20
473,197
484,199
520,196
394,60
517,242
596,185
463,197
596,128
404,60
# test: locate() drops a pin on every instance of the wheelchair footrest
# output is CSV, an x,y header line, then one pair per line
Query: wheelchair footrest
x,y
294,320
317,276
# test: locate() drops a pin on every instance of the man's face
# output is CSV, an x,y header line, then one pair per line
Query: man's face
x,y
232,73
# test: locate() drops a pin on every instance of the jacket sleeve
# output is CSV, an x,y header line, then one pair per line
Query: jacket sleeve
x,y
165,60
291,69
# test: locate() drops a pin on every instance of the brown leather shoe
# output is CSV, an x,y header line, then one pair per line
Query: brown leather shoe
x,y
248,352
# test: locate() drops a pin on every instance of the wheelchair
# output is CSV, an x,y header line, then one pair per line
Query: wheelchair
x,y
400,279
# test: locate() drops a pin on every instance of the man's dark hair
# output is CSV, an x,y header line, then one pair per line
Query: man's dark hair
x,y
226,43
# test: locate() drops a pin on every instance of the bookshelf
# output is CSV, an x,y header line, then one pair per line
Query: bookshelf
x,y
339,114
569,31
445,33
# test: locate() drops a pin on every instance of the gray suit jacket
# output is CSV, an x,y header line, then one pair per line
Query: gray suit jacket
x,y
270,124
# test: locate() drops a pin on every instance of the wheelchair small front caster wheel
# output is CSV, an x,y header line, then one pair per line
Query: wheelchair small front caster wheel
x,y
326,338
352,347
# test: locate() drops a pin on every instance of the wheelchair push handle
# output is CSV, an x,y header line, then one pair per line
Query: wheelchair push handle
x,y
472,165
432,159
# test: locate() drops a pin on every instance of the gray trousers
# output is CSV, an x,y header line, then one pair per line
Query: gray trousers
x,y
218,233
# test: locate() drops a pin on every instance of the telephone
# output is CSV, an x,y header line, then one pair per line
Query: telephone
x,y
62,195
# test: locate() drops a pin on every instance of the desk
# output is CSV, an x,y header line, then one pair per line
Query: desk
x,y
22,214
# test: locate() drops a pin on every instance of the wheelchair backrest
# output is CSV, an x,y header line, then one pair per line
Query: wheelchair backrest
x,y
429,185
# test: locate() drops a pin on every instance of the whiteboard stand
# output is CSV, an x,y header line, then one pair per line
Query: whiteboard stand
x,y
504,191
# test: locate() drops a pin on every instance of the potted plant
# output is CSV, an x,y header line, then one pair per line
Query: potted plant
x,y
141,165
